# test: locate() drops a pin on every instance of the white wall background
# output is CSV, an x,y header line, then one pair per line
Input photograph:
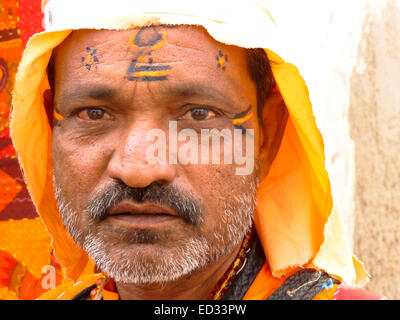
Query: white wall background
x,y
349,54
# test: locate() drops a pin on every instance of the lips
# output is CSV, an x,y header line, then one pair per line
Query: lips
x,y
143,209
141,216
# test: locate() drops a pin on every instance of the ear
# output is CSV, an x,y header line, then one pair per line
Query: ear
x,y
275,116
48,104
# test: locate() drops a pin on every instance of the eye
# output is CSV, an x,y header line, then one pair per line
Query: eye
x,y
93,114
199,114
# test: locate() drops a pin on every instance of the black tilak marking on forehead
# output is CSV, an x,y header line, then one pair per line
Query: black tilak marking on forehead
x,y
138,69
147,68
242,114
156,38
221,60
94,60
147,78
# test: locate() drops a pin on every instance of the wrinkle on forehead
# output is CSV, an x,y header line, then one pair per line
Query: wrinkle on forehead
x,y
190,53
194,39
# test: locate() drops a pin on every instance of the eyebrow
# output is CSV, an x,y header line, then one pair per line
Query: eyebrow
x,y
92,92
102,93
183,90
196,89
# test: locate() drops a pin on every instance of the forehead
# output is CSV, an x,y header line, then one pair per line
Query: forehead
x,y
178,53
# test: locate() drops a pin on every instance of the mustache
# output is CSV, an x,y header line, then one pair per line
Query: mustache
x,y
168,195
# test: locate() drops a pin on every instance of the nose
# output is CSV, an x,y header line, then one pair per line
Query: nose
x,y
138,159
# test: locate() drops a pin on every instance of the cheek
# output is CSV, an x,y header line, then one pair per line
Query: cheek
x,y
78,169
215,185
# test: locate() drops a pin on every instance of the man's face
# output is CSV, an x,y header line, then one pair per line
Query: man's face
x,y
143,221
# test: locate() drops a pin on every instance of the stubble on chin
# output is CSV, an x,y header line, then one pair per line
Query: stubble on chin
x,y
143,256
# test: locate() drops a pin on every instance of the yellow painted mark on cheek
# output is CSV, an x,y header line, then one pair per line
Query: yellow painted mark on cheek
x,y
242,120
57,115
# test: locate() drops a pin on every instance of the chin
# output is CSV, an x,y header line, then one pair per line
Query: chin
x,y
145,263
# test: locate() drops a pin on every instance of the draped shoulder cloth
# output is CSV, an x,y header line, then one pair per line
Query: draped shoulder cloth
x,y
296,219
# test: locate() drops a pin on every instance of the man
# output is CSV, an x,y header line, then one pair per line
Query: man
x,y
139,218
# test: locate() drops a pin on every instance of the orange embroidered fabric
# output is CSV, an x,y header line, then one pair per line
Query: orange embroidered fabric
x,y
24,241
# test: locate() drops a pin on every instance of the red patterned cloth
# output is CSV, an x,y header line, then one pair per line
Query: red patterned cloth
x,y
25,253
31,18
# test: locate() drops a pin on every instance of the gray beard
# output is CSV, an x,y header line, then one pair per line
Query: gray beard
x,y
186,257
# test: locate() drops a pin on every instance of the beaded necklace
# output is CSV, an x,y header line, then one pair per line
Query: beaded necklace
x,y
97,293
222,286
236,267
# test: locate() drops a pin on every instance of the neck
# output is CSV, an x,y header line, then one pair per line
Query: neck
x,y
199,285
